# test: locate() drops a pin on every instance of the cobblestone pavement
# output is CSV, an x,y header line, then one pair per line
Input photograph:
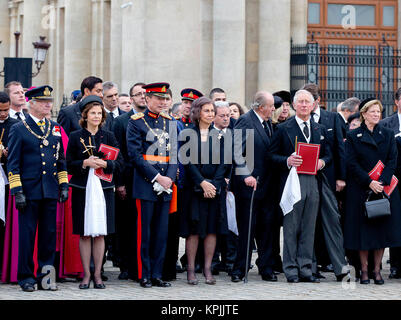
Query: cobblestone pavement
x,y
255,289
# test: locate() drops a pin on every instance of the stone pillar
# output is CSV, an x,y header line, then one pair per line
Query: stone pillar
x,y
274,45
4,36
77,45
299,21
206,45
35,24
132,55
116,42
229,48
13,11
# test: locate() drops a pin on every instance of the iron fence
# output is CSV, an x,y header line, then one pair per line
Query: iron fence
x,y
342,72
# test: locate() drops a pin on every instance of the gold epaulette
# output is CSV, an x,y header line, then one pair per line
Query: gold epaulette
x,y
62,177
14,180
165,115
137,116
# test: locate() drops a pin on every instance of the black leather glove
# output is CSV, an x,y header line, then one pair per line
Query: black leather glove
x,y
20,201
63,195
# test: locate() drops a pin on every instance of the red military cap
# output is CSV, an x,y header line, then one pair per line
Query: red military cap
x,y
190,94
158,89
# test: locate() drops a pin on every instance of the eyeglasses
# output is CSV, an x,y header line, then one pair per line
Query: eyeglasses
x,y
138,94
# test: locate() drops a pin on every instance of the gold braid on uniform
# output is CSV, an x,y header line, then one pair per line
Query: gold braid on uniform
x,y
43,138
14,180
62,177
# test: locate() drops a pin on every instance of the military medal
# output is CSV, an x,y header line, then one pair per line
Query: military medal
x,y
45,142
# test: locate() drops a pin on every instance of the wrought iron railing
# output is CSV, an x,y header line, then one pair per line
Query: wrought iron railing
x,y
342,71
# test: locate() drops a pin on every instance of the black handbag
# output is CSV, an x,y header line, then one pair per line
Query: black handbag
x,y
377,208
198,189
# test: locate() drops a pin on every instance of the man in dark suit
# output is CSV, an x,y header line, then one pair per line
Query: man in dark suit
x,y
126,213
299,224
5,124
69,116
15,91
335,173
347,108
37,174
110,102
393,122
253,175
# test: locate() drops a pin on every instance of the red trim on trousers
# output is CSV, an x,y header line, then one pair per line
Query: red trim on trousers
x,y
139,238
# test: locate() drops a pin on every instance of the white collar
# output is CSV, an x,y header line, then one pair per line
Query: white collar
x,y
12,114
36,119
224,129
345,120
259,117
114,112
300,121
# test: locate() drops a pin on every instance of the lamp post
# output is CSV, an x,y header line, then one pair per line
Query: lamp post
x,y
20,69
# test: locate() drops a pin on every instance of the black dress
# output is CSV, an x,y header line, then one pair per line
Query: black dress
x,y
75,158
202,216
363,150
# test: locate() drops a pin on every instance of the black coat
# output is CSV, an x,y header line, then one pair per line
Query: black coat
x,y
283,145
6,125
75,157
110,120
200,215
392,122
343,125
260,166
69,117
120,125
335,170
363,150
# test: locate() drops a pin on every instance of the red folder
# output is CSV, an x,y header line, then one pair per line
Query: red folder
x,y
310,157
110,153
375,174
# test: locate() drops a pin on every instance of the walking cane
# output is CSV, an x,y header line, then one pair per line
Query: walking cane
x,y
249,233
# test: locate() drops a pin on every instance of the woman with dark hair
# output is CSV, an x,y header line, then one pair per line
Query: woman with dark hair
x,y
204,178
92,211
364,147
235,110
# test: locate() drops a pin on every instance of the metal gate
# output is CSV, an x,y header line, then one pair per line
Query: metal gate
x,y
343,71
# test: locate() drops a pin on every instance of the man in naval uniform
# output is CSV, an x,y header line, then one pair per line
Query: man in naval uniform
x,y
38,178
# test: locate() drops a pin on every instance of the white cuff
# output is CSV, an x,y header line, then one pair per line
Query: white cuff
x,y
154,179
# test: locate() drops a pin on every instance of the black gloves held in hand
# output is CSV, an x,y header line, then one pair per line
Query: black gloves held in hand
x,y
20,201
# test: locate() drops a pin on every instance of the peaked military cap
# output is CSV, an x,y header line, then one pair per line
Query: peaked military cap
x,y
158,89
42,93
89,99
190,94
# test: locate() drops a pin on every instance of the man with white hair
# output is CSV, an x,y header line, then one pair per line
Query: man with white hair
x,y
252,179
299,224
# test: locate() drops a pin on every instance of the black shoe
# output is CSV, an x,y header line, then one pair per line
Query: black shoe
x,y
84,285
364,281
145,283
378,281
394,275
28,287
340,277
123,275
269,277
318,275
99,285
293,279
311,279
160,283
236,278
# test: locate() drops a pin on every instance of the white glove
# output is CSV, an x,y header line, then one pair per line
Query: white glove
x,y
159,189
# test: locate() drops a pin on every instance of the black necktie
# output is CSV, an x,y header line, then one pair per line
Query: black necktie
x,y
18,114
312,116
267,129
306,130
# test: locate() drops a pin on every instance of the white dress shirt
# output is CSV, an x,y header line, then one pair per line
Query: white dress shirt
x,y
302,125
